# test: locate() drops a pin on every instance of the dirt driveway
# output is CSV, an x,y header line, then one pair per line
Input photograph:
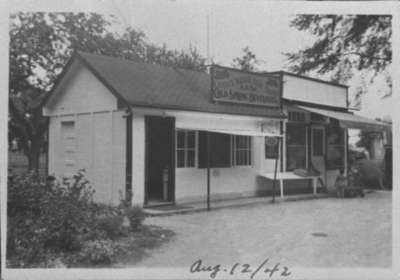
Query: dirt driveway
x,y
310,233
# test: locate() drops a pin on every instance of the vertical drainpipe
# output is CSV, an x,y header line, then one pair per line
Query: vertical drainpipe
x,y
128,178
346,130
208,148
208,172
47,146
281,123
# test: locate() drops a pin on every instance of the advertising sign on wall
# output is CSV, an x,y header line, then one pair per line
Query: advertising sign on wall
x,y
236,86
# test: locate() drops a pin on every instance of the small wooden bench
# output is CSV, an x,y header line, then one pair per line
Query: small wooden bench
x,y
281,176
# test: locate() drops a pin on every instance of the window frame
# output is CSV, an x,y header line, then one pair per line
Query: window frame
x,y
185,148
306,141
248,150
322,142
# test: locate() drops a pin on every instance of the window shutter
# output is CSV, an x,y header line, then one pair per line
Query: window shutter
x,y
220,150
202,152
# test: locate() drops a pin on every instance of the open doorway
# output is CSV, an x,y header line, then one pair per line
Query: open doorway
x,y
318,148
160,160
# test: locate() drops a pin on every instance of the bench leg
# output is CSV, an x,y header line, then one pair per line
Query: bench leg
x,y
314,180
281,187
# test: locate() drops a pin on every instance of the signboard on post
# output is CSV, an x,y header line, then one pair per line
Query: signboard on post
x,y
237,86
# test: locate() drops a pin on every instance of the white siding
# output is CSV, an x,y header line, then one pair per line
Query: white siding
x,y
299,89
138,159
99,149
99,141
80,92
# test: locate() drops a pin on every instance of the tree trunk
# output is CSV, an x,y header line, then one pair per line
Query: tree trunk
x,y
33,154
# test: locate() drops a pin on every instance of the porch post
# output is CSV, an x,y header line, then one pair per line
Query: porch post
x,y
208,171
275,171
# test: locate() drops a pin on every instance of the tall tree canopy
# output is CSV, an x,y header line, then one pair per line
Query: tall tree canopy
x,y
344,44
40,45
248,61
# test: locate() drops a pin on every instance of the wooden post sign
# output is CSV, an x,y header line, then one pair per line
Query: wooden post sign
x,y
237,86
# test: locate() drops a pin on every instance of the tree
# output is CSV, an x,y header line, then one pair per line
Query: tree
x,y
344,44
40,45
247,62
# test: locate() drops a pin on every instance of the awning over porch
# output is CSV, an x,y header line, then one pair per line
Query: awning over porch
x,y
233,131
348,120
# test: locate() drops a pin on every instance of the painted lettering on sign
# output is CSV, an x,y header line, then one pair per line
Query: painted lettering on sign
x,y
235,86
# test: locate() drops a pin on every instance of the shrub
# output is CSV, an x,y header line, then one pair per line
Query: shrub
x,y
98,252
135,216
111,225
47,218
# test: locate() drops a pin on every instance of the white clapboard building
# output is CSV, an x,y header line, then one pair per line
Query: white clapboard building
x,y
156,134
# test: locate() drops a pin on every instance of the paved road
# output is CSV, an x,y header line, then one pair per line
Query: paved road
x,y
355,233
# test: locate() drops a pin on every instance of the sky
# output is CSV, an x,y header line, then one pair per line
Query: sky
x,y
263,26
260,25
232,26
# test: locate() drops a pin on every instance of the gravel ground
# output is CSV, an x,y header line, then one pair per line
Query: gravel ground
x,y
356,233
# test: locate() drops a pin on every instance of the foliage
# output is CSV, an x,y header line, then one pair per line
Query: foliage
x,y
111,225
53,224
98,252
247,62
343,42
40,45
44,218
366,139
135,216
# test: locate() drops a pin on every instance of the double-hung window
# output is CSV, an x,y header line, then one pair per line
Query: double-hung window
x,y
186,148
241,150
224,150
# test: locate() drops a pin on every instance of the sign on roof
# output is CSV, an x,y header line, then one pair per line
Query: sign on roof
x,y
236,86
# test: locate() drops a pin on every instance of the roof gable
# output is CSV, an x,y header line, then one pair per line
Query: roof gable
x,y
151,85
77,91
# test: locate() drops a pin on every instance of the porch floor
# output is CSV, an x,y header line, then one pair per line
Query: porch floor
x,y
184,208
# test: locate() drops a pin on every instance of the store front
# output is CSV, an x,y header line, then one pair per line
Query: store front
x,y
157,135
315,142
317,139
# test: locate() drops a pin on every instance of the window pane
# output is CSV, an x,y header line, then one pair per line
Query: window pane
x,y
238,157
296,158
190,158
295,134
180,161
249,156
191,139
180,139
237,142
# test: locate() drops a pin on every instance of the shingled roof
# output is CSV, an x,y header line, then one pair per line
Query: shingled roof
x,y
151,85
